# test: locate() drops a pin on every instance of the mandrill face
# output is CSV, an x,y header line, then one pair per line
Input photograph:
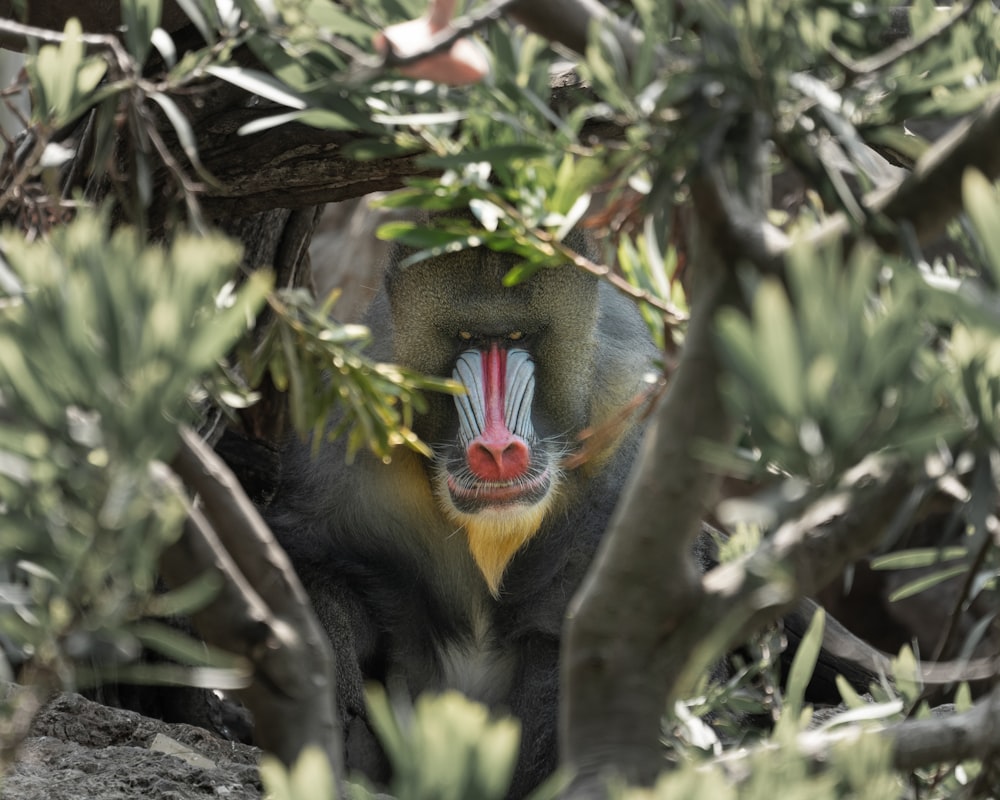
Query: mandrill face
x,y
497,479
520,354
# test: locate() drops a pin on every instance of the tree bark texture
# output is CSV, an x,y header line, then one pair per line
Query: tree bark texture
x,y
620,658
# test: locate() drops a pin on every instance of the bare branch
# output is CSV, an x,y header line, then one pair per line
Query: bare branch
x,y
262,611
671,313
569,22
803,555
972,734
739,234
14,35
293,167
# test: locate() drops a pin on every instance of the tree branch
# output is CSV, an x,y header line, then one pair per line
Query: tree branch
x,y
616,662
801,557
262,611
292,167
16,35
929,197
905,45
641,565
913,744
569,22
925,201
974,734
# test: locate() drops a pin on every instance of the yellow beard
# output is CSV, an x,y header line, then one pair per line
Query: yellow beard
x,y
495,536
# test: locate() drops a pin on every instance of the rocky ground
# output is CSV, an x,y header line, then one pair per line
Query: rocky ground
x,y
79,749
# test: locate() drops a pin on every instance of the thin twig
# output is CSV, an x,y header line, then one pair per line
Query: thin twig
x,y
899,50
974,734
971,574
190,188
16,32
18,179
673,314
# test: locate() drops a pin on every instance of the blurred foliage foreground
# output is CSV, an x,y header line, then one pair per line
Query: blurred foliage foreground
x,y
109,342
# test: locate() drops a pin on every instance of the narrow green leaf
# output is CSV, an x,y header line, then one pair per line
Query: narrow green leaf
x,y
139,19
266,123
804,663
963,698
926,582
918,557
171,642
192,596
166,675
328,119
185,134
297,399
422,118
384,724
906,672
259,83
983,207
164,44
737,339
61,77
454,245
275,778
521,272
414,235
850,697
904,142
777,343
193,11
88,76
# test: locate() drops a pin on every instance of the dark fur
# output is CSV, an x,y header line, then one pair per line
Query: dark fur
x,y
391,578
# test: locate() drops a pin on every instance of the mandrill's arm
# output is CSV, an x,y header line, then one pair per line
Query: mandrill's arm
x,y
535,702
353,636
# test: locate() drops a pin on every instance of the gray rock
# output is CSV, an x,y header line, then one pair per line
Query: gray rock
x,y
81,750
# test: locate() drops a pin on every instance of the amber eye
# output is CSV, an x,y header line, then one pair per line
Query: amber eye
x,y
515,336
465,336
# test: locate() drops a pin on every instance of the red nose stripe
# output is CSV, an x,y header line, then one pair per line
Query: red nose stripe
x,y
497,454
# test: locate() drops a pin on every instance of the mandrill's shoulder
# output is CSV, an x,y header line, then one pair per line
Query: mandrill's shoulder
x,y
622,333
625,353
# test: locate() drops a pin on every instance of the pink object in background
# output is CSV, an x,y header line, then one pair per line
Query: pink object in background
x,y
463,63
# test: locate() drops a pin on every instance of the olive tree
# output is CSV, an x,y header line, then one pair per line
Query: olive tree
x,y
772,180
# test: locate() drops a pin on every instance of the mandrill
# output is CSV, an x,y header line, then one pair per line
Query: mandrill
x,y
456,572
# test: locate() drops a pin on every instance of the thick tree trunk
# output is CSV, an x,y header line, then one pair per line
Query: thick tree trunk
x,y
619,658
